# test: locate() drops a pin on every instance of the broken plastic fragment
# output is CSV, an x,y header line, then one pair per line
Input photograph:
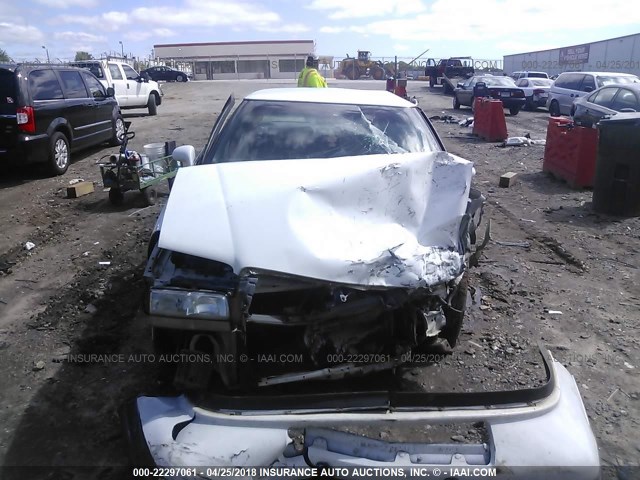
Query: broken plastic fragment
x,y
29,246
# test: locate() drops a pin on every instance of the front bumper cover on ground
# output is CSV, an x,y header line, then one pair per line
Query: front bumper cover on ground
x,y
545,426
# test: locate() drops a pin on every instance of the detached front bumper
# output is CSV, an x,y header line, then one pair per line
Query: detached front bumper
x,y
524,437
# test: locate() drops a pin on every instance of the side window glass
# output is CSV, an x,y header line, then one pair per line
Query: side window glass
x,y
588,84
44,85
72,84
625,99
95,87
130,72
115,71
604,97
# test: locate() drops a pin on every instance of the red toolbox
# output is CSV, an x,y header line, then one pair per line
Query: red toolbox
x,y
570,152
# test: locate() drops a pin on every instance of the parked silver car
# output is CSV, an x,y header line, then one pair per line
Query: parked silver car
x,y
570,86
609,100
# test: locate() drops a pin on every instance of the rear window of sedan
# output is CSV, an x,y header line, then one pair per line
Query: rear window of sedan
x,y
498,81
609,80
278,130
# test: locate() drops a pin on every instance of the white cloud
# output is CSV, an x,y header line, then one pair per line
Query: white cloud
x,y
164,32
69,3
332,29
108,21
341,9
156,32
284,28
15,34
507,19
208,14
86,38
401,48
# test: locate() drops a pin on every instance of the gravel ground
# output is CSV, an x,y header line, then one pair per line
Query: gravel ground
x,y
57,300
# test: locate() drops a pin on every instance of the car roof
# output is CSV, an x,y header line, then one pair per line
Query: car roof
x,y
632,86
331,95
28,67
605,74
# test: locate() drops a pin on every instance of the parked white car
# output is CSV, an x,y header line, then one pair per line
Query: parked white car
x,y
132,89
519,75
536,91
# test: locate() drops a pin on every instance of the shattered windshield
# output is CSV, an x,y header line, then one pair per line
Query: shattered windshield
x,y
270,130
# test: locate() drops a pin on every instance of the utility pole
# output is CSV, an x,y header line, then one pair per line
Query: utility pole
x,y
46,50
121,48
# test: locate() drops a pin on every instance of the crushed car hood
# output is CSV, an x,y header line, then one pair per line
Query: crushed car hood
x,y
373,221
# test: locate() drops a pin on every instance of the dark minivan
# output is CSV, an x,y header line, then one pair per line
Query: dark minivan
x,y
46,111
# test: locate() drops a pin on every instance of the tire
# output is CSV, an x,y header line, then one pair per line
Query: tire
x,y
554,108
456,103
165,340
432,81
150,195
351,72
472,106
455,313
514,110
118,131
378,73
181,78
116,197
59,153
528,105
152,106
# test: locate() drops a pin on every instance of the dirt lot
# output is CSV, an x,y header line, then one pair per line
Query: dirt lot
x,y
56,299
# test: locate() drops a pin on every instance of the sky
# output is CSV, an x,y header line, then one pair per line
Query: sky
x,y
484,29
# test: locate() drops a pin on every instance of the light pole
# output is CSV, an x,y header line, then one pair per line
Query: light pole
x,y
121,48
46,50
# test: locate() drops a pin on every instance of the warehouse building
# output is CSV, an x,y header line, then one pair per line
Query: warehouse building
x,y
235,60
621,54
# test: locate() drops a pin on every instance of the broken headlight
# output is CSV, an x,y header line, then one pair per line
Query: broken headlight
x,y
188,304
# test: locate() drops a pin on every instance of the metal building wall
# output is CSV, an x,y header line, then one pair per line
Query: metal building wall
x,y
239,60
621,54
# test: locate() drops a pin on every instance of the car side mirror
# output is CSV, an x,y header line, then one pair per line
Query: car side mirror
x,y
185,155
111,92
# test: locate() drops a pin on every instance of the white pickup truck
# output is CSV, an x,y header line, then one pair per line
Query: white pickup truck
x,y
132,89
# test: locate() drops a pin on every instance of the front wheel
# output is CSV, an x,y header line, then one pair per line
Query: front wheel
x,y
554,109
456,102
454,313
118,132
116,197
181,78
150,195
152,105
514,110
58,153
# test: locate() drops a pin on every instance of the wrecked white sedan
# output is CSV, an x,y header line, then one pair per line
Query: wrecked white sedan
x,y
327,228
322,234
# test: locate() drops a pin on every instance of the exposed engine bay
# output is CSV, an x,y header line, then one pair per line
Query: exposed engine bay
x,y
265,321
